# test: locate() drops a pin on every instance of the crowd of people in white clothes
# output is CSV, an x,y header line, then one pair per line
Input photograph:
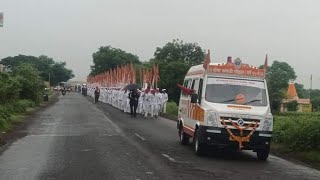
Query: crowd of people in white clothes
x,y
151,102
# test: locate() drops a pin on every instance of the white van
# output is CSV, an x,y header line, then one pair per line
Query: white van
x,y
229,108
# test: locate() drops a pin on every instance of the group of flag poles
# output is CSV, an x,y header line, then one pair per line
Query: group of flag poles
x,y
126,74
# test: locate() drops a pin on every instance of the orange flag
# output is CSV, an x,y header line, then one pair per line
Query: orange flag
x,y
266,63
207,60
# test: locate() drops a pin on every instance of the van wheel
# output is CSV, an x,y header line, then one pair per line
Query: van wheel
x,y
184,138
263,154
199,148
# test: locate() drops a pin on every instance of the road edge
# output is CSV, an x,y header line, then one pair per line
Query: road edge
x,y
11,134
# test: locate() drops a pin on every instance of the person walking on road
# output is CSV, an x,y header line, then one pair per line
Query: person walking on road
x,y
134,99
153,103
164,101
96,94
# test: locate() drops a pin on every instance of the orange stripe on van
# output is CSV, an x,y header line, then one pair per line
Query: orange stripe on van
x,y
188,130
238,107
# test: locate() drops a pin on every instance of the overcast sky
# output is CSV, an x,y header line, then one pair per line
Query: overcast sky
x,y
71,30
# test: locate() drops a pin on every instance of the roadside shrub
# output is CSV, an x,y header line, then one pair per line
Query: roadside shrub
x,y
32,86
292,106
301,132
172,108
9,88
5,117
22,105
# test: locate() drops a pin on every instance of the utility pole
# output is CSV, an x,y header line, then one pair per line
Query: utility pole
x,y
310,86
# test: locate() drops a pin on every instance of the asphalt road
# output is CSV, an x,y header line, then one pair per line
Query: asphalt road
x,y
75,139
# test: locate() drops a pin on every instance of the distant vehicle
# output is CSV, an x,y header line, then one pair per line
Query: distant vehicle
x,y
226,106
57,88
65,85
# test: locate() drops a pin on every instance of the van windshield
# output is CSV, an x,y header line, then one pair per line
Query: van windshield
x,y
236,91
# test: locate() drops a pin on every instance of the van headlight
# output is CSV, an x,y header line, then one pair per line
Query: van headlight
x,y
212,118
268,124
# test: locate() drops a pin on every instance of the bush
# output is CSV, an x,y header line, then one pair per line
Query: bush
x,y
22,105
5,117
301,132
172,108
31,83
9,88
292,106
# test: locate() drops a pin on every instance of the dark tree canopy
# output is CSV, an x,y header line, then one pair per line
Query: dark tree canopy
x,y
278,77
44,65
174,59
108,57
177,50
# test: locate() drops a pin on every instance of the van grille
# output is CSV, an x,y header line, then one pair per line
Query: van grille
x,y
228,120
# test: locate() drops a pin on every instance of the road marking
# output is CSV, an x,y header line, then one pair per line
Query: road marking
x,y
86,150
168,157
142,138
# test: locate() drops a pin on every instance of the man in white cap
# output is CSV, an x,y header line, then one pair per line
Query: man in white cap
x,y
140,103
153,103
158,102
164,100
147,103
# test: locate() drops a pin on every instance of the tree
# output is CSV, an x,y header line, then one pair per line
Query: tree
x,y
174,60
44,65
278,76
32,85
171,74
177,50
108,57
292,106
9,88
315,99
302,93
59,73
316,103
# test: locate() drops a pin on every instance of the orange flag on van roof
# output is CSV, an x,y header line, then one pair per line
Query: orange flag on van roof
x,y
266,63
207,60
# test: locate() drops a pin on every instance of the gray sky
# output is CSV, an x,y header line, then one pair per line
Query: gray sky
x,y
71,30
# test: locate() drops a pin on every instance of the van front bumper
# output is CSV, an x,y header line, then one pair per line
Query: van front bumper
x,y
219,138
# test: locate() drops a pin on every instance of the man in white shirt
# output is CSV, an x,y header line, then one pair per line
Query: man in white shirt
x,y
153,103
158,103
164,101
147,103
140,103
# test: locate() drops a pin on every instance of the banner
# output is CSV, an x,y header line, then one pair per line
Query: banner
x,y
1,19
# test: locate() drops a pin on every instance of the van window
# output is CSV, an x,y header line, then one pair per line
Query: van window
x,y
196,85
187,83
200,90
193,82
236,91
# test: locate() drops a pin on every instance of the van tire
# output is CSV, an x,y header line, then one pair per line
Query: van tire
x,y
184,138
263,154
199,148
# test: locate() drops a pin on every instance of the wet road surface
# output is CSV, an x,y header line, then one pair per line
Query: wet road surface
x,y
75,139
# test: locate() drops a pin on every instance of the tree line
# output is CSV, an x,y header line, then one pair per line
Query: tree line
x,y
23,86
47,67
176,57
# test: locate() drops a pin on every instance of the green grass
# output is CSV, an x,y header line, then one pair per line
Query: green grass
x,y
17,118
311,157
172,110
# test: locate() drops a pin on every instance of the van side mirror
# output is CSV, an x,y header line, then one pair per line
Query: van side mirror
x,y
194,98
